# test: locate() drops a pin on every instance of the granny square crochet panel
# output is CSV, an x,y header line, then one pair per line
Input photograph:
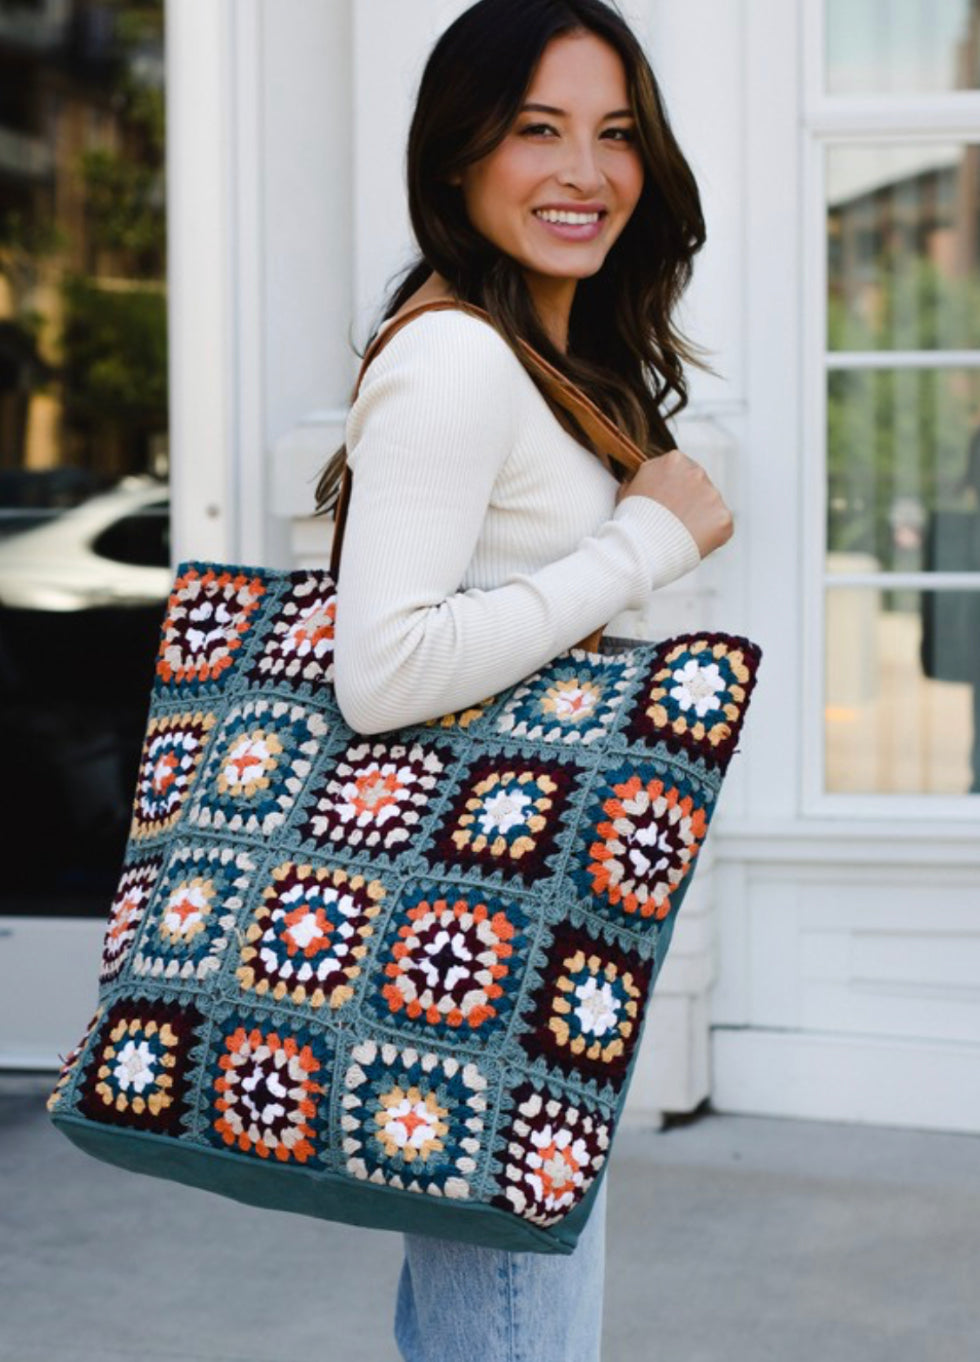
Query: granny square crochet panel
x,y
398,979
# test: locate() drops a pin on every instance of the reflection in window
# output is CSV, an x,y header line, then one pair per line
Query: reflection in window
x,y
903,448
902,698
83,433
903,247
902,46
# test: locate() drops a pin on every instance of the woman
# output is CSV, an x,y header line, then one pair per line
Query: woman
x,y
482,537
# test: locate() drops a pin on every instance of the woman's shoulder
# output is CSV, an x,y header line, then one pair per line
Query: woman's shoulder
x,y
447,328
444,360
444,372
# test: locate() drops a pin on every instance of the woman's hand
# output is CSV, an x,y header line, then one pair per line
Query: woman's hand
x,y
682,485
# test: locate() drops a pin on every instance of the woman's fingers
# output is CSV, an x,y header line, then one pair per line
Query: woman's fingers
x,y
682,485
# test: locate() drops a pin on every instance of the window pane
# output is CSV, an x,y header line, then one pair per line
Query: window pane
x,y
903,247
902,699
902,46
903,470
84,511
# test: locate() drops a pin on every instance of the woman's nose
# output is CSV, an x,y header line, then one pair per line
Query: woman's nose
x,y
581,168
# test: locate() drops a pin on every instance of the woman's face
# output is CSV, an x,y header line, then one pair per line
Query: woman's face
x,y
578,154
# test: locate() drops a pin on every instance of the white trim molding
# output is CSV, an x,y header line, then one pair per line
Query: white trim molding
x,y
812,1076
200,77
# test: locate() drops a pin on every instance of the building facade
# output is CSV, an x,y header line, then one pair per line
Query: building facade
x,y
827,962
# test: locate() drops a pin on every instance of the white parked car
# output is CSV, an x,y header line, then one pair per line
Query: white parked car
x,y
112,550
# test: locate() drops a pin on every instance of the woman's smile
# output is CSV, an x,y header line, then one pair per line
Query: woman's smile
x,y
571,225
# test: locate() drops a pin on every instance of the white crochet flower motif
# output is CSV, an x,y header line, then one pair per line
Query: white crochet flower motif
x,y
375,793
573,703
311,631
413,1123
558,1167
598,1009
134,1066
186,911
504,810
697,687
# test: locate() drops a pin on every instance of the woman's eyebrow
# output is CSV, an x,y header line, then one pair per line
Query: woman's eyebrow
x,y
562,113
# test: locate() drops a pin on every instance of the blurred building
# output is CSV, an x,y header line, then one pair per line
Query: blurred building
x,y
826,963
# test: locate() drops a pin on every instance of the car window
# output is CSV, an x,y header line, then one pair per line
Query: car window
x,y
141,539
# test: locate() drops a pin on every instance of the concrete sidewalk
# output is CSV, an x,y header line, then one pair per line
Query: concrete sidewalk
x,y
732,1239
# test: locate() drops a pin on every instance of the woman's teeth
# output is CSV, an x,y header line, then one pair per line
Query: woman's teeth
x,y
573,219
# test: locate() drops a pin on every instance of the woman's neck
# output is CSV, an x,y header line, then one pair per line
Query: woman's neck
x,y
552,299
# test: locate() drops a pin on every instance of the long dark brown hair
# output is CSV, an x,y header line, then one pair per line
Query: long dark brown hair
x,y
624,350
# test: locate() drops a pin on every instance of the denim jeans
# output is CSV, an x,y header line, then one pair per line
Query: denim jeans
x,y
459,1302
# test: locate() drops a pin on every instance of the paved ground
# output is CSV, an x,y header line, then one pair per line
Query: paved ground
x,y
732,1239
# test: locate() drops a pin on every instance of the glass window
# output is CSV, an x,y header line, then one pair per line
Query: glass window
x,y
903,469
84,518
902,691
901,550
902,46
903,246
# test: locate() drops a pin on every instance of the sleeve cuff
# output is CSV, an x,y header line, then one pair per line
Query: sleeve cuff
x,y
664,542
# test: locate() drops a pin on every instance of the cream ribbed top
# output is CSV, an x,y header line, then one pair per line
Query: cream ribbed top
x,y
481,538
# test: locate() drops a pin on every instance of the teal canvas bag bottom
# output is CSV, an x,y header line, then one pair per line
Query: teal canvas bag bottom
x,y
324,1195
395,979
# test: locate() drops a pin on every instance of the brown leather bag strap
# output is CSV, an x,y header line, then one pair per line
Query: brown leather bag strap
x,y
609,441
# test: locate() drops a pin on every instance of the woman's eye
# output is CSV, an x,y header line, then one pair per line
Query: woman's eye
x,y
618,134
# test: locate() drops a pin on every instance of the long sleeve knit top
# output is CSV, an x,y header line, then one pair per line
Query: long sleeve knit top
x,y
482,539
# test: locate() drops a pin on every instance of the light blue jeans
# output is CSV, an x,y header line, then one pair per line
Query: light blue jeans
x,y
459,1302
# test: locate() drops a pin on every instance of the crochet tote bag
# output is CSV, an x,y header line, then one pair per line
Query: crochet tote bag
x,y
397,980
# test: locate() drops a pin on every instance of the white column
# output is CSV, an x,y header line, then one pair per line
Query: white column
x,y
259,213
201,283
309,231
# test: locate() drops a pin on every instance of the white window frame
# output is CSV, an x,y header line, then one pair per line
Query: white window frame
x,y
828,120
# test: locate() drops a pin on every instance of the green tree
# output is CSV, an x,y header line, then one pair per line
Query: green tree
x,y
898,435
114,338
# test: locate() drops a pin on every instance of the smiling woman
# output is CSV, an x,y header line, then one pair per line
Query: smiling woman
x,y
484,532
